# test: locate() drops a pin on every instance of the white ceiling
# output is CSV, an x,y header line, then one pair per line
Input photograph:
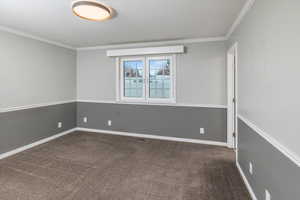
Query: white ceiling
x,y
136,20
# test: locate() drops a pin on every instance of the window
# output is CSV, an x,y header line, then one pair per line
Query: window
x,y
147,79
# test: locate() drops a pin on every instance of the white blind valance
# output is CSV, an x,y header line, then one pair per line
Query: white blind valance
x,y
145,51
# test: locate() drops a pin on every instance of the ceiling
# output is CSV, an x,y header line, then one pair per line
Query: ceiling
x,y
136,20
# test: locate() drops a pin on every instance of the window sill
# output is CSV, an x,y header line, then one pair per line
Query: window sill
x,y
154,102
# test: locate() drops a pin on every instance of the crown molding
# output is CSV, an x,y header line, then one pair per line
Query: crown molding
x,y
248,5
160,43
20,33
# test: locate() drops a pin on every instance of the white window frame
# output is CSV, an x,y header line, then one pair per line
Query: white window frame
x,y
121,80
145,98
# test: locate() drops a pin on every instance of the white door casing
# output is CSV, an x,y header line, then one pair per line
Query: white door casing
x,y
232,96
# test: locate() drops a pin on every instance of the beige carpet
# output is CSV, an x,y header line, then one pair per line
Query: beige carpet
x,y
92,166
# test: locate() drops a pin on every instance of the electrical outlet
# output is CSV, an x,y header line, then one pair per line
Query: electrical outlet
x,y
85,119
59,125
250,168
268,195
202,131
109,122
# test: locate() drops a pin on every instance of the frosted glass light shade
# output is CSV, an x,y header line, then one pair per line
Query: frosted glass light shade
x,y
91,10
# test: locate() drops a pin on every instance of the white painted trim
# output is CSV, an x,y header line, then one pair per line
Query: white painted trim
x,y
25,107
232,66
288,153
174,78
145,51
250,190
237,98
145,98
160,43
207,142
172,98
118,78
23,34
120,81
156,104
20,149
11,109
248,5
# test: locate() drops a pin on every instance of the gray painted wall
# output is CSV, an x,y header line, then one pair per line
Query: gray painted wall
x,y
271,169
34,72
268,68
200,80
19,128
268,81
181,122
200,75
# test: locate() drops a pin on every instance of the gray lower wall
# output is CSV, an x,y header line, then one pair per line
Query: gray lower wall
x,y
272,169
23,127
172,121
19,128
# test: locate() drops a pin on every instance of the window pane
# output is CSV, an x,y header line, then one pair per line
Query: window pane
x,y
159,78
133,78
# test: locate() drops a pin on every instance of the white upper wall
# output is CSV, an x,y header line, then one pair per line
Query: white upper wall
x,y
269,69
34,72
200,75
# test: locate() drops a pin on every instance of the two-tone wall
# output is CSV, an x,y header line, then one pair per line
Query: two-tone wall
x,y
268,97
37,90
200,94
38,87
40,82
273,170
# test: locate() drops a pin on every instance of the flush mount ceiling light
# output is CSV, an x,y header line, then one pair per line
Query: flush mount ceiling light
x,y
91,10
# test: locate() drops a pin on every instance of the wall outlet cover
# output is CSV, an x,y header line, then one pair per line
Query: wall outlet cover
x,y
59,125
85,119
250,168
202,131
268,195
109,122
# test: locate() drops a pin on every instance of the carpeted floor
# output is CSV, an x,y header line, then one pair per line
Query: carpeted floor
x,y
93,166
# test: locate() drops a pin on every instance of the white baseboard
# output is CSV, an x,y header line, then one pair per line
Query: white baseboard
x,y
23,148
208,142
250,190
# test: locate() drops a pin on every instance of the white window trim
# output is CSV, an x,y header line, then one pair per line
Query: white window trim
x,y
121,80
145,99
172,76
